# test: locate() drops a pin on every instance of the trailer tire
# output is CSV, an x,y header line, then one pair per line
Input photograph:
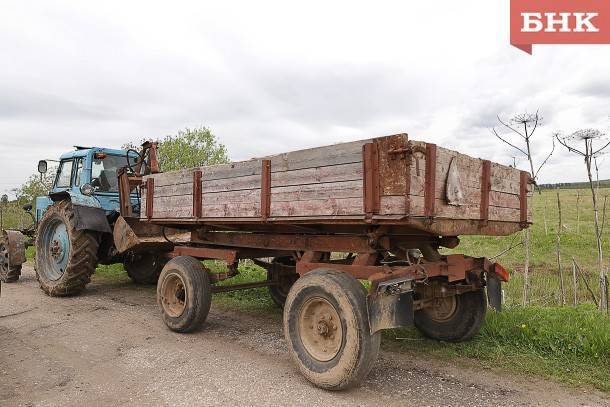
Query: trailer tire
x,y
184,294
65,256
144,268
8,274
459,320
333,356
279,292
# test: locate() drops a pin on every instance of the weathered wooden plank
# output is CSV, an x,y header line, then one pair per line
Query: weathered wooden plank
x,y
325,174
212,172
328,174
395,205
347,189
249,195
318,207
343,153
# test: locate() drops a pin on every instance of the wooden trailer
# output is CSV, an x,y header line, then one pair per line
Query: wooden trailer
x,y
319,220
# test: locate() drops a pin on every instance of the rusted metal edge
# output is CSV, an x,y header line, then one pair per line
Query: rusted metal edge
x,y
525,180
229,256
150,189
371,191
197,204
266,189
485,189
408,163
430,182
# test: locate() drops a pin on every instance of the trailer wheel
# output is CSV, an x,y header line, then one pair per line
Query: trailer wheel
x,y
453,319
65,256
8,274
184,294
279,292
143,268
327,329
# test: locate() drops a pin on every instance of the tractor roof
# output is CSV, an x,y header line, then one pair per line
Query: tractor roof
x,y
82,152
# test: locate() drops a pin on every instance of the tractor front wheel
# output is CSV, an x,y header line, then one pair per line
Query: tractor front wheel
x,y
8,273
65,256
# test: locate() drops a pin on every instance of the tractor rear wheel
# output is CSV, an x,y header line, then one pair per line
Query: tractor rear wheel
x,y
65,257
144,268
8,274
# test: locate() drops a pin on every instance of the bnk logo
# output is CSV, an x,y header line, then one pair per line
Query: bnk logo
x,y
563,22
559,22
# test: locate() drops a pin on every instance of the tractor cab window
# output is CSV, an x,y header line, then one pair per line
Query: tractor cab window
x,y
104,172
78,172
64,175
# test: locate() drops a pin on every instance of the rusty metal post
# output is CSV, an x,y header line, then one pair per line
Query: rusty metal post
x,y
485,189
525,179
197,204
265,189
150,189
371,191
430,187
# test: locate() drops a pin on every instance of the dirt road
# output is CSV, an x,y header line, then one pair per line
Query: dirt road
x,y
109,347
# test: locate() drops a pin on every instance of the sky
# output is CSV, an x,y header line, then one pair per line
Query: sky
x,y
270,77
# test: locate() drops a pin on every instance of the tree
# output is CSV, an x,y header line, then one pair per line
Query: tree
x,y
589,137
190,148
524,126
35,186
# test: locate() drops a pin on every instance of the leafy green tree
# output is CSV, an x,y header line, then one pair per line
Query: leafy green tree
x,y
34,187
188,149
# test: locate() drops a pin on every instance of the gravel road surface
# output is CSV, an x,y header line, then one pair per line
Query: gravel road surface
x,y
108,347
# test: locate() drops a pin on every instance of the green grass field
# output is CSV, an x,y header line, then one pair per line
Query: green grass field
x,y
577,240
568,344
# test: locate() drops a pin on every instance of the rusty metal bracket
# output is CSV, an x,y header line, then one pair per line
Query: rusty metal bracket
x,y
525,180
485,189
265,189
205,253
430,183
197,204
371,189
150,189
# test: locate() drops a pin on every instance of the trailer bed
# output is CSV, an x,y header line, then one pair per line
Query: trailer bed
x,y
413,186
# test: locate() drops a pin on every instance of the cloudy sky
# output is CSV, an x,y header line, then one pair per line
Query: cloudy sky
x,y
269,77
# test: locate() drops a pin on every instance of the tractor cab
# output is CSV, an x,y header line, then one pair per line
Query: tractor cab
x,y
89,177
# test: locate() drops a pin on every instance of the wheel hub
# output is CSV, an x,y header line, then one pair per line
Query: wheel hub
x,y
173,295
443,308
57,248
320,329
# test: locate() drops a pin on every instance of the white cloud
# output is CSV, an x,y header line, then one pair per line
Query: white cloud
x,y
268,77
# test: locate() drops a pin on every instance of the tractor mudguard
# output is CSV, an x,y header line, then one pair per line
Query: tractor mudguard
x,y
88,211
90,218
76,198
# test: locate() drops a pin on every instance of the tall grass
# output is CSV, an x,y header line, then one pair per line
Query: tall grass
x,y
578,242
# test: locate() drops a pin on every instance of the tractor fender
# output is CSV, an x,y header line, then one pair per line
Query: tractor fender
x,y
88,212
16,247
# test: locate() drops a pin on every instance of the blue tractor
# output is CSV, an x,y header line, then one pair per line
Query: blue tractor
x,y
73,224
